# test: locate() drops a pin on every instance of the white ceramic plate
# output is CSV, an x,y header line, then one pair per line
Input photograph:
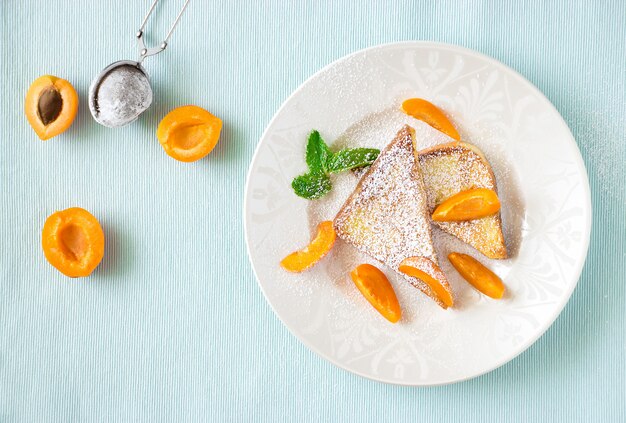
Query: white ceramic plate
x,y
542,183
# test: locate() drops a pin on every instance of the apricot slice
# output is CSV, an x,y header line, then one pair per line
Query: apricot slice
x,y
468,205
73,242
51,105
424,269
478,275
376,288
189,133
431,114
301,260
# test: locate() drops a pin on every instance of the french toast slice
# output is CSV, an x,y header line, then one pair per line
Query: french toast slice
x,y
386,216
450,168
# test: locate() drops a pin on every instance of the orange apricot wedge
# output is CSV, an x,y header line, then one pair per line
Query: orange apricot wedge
x,y
477,275
427,112
468,205
301,260
424,269
51,105
376,288
189,133
73,242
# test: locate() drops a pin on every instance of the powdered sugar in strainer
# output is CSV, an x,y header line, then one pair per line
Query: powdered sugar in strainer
x,y
122,91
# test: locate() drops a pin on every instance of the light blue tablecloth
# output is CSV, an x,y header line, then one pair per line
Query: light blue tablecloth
x,y
172,326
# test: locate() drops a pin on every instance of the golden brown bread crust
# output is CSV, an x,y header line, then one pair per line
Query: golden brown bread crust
x,y
386,216
454,167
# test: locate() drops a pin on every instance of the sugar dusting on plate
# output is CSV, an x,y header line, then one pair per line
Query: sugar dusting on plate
x,y
377,130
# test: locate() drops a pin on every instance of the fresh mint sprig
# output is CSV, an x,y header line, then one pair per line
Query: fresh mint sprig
x,y
317,153
321,162
311,186
351,159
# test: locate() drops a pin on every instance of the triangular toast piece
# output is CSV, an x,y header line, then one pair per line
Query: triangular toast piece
x,y
386,216
454,167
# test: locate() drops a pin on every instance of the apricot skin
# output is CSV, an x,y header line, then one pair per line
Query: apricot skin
x,y
424,269
478,275
376,288
73,242
303,259
189,133
468,205
50,106
427,112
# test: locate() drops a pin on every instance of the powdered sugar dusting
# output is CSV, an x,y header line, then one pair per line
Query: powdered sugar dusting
x,y
356,106
375,130
386,216
450,169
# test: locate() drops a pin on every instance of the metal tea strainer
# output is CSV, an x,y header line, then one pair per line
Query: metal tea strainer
x,y
122,91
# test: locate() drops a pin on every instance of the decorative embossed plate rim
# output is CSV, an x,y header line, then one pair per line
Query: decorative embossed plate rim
x,y
556,227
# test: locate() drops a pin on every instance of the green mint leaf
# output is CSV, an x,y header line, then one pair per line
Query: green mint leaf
x,y
311,185
351,159
317,154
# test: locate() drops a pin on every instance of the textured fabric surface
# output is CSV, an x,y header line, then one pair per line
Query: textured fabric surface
x,y
172,326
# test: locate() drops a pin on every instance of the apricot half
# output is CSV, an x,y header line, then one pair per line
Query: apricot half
x,y
51,105
73,242
468,205
376,288
189,133
424,269
301,260
427,112
478,275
